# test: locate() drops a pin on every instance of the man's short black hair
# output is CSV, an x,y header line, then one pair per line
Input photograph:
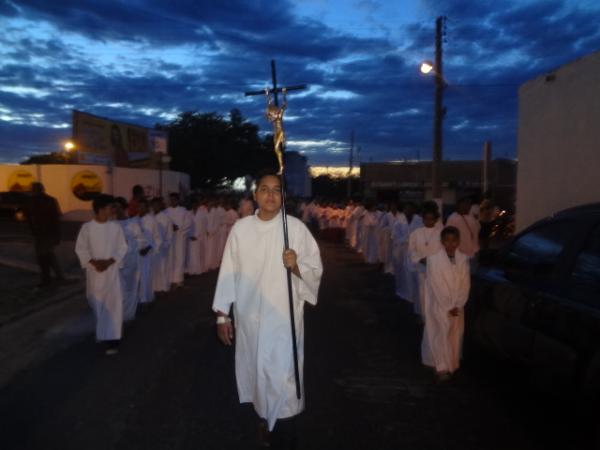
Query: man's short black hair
x,y
138,190
450,231
121,201
431,208
101,201
266,173
174,195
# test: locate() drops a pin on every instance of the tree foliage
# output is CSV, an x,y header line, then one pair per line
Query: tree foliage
x,y
215,150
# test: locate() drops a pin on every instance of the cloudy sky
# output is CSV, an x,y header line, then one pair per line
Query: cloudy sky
x,y
144,61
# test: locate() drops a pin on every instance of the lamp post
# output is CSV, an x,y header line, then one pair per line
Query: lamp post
x,y
69,147
436,69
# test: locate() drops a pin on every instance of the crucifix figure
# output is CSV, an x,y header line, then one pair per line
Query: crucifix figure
x,y
275,116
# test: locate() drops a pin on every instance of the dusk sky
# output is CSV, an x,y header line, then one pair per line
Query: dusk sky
x,y
146,61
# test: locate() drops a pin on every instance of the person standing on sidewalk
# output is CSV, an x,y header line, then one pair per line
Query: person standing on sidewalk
x,y
252,279
101,247
44,219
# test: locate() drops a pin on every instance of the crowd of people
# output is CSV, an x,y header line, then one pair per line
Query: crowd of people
x,y
133,251
429,260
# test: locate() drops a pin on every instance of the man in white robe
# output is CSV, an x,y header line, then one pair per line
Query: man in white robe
x,y
101,247
161,269
406,279
446,293
196,261
467,225
182,224
253,279
148,258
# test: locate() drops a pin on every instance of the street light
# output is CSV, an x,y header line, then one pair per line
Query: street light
x,y
69,146
426,67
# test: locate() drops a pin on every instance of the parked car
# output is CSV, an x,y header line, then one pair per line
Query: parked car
x,y
14,205
536,301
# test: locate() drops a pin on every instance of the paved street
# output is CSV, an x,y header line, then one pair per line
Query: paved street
x,y
172,385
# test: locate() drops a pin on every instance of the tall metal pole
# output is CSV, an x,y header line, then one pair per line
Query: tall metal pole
x,y
350,166
286,242
439,112
487,157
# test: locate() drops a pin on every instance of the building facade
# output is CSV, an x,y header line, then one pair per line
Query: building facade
x,y
411,180
559,140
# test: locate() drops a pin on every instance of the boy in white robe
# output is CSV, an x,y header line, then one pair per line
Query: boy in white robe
x,y
136,245
422,243
212,235
468,227
196,262
447,288
253,280
406,279
182,224
101,247
148,258
161,269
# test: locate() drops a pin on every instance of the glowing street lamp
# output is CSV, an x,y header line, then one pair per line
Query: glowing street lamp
x,y
426,67
69,146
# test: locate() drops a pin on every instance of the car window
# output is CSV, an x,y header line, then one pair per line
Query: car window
x,y
538,251
585,282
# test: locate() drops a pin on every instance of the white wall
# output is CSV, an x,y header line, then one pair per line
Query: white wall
x,y
57,180
559,141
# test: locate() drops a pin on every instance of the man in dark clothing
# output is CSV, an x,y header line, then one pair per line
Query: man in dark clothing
x,y
44,219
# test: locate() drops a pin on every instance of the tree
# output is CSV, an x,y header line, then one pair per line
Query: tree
x,y
49,158
214,150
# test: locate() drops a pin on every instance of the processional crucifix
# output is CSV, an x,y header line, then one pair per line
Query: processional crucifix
x,y
275,114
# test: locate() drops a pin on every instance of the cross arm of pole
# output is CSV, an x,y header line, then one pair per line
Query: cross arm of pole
x,y
298,87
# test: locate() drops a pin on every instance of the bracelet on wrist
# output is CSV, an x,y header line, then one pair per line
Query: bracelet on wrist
x,y
221,320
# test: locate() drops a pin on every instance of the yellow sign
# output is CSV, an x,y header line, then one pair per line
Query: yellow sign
x,y
86,185
20,181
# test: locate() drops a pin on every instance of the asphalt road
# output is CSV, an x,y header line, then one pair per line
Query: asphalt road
x,y
172,385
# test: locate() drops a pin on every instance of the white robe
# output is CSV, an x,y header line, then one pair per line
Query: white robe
x,y
103,289
130,274
386,223
212,235
253,279
447,287
161,268
182,218
196,262
369,243
423,242
146,262
469,227
406,280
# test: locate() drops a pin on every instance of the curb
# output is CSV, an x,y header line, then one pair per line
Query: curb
x,y
60,297
16,264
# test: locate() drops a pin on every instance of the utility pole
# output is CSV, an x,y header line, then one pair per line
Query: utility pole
x,y
487,157
350,166
439,113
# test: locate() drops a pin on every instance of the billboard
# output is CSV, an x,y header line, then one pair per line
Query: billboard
x,y
101,141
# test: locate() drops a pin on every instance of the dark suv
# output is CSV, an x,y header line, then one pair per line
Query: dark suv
x,y
537,301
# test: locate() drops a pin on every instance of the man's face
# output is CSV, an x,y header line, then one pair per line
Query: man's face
x,y
464,207
429,220
173,201
450,243
268,194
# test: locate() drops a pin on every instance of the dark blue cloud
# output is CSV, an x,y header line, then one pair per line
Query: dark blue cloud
x,y
114,59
